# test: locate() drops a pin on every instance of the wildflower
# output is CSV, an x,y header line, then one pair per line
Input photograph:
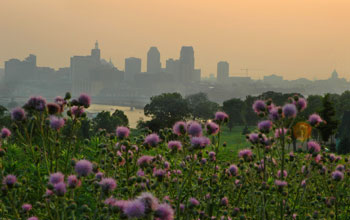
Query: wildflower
x,y
122,132
56,123
265,126
303,183
193,202
149,201
144,160
212,128
134,209
18,114
140,173
99,175
245,154
53,108
200,142
56,178
253,138
301,104
274,114
212,156
33,218
221,117
159,173
259,106
108,184
73,181
152,140
233,170
285,174
5,133
84,100
174,145
60,188
60,101
340,167
224,201
313,147
280,131
315,119
179,128
337,175
77,111
194,129
280,183
83,167
26,207
289,110
36,103
164,212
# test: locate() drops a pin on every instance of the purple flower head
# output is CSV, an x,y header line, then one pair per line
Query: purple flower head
x,y
265,126
134,209
152,140
110,201
26,207
144,160
315,119
274,114
140,173
84,100
179,128
33,218
77,111
224,201
221,117
99,175
159,173
200,142
303,183
313,147
280,131
122,132
194,202
212,155
108,184
289,110
285,174
164,212
280,183
174,145
73,181
149,201
246,154
56,123
83,167
212,128
5,133
254,138
53,108
36,103
60,101
301,104
340,167
337,175
194,129
56,178
259,106
60,188
233,170
18,114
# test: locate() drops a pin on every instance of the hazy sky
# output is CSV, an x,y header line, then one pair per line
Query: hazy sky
x,y
293,38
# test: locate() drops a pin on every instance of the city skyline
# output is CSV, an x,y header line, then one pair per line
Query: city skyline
x,y
293,39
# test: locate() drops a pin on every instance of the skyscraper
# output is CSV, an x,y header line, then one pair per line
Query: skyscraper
x,y
153,60
132,67
187,64
223,71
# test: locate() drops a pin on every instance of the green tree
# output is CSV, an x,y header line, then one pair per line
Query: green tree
x,y
234,108
108,121
343,134
166,109
201,107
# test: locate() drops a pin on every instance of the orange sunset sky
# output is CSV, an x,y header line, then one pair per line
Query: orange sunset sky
x,y
293,38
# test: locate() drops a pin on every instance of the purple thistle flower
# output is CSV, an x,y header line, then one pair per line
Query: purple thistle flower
x,y
77,111
108,184
56,178
285,174
301,104
140,173
164,212
60,188
134,209
110,201
280,183
221,117
194,129
200,142
303,183
245,153
212,155
33,218
122,132
289,110
152,140
60,101
53,108
18,114
337,175
265,126
233,170
280,131
274,114
194,202
174,145
84,100
56,123
73,181
212,128
83,167
313,147
340,167
254,138
315,119
144,160
224,201
26,207
5,133
99,175
159,173
179,128
149,201
36,103
259,106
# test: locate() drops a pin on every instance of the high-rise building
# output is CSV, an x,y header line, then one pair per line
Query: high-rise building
x,y
153,60
223,71
132,67
187,64
96,53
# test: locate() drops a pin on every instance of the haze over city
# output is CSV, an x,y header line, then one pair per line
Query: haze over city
x,y
289,38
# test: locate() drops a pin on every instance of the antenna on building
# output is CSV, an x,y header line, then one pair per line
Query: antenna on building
x,y
96,45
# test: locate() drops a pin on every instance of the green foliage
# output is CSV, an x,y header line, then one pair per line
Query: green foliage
x,y
235,110
106,120
201,107
328,115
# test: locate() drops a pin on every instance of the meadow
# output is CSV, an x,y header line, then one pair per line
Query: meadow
x,y
194,170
